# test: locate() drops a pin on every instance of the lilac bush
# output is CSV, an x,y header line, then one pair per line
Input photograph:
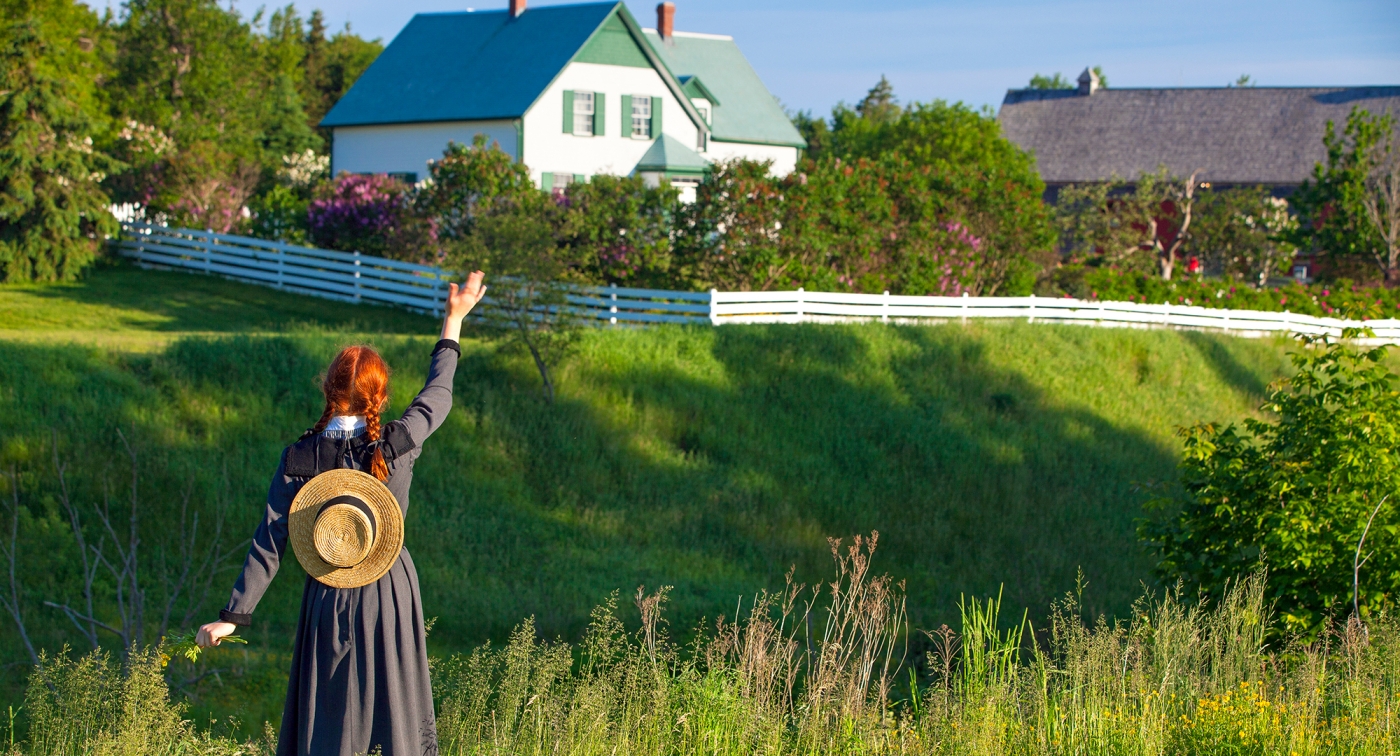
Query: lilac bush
x,y
372,214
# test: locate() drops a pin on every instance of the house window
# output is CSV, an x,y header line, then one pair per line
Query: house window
x,y
583,113
704,113
641,116
562,181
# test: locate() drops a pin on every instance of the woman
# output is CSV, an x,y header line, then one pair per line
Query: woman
x,y
359,677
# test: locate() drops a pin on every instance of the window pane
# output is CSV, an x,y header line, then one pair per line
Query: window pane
x,y
641,115
583,113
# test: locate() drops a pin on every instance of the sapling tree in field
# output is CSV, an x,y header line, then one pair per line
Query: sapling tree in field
x,y
1242,231
1295,492
516,242
1380,198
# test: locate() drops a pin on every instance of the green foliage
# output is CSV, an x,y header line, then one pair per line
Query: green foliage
x,y
53,215
1242,231
330,65
1142,225
1330,205
280,215
729,236
183,644
1295,491
620,230
1057,81
1321,300
467,182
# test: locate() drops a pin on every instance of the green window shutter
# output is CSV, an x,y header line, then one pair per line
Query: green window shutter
x,y
626,116
546,181
579,177
568,111
599,114
655,117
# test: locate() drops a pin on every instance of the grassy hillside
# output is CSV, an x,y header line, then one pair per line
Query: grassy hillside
x,y
710,459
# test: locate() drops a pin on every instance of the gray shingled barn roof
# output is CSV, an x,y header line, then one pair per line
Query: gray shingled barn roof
x,y
1244,135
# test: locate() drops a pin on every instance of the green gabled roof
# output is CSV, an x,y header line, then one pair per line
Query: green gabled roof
x,y
696,88
749,112
485,65
668,155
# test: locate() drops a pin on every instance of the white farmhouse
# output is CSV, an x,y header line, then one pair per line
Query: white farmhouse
x,y
570,90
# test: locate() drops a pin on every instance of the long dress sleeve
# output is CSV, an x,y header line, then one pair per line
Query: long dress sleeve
x,y
427,412
265,553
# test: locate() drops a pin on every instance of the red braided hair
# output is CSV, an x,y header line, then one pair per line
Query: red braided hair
x,y
357,383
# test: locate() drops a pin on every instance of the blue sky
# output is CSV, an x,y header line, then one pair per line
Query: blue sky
x,y
814,53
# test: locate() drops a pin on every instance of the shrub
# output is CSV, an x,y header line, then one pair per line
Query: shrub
x,y
373,215
1296,492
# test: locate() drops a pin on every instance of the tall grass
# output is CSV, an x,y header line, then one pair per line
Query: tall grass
x,y
1174,679
812,670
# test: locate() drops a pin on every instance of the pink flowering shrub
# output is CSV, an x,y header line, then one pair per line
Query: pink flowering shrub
x,y
373,215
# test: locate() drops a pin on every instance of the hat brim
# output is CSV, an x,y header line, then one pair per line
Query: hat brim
x,y
388,532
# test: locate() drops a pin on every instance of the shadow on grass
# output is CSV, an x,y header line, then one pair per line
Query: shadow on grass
x,y
707,459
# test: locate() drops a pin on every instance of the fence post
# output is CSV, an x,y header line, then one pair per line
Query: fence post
x,y
613,310
714,317
357,275
281,266
1226,327
885,308
1167,315
1031,319
205,249
964,309
800,314
1287,326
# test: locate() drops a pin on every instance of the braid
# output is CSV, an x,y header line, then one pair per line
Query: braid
x,y
377,467
325,419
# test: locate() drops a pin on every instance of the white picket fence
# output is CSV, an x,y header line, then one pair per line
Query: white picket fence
x,y
352,277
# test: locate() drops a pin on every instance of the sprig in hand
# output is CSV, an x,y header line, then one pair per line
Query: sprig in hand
x,y
182,644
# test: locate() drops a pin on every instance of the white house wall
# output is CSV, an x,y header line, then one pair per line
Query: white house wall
x,y
407,148
784,158
549,150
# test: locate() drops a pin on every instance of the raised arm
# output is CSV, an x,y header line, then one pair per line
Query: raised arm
x,y
261,565
429,409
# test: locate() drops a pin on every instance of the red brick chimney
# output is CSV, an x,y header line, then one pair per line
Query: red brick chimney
x,y
516,8
665,19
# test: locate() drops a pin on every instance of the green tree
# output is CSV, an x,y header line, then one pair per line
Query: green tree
x,y
332,65
515,240
879,105
1242,231
1050,82
53,213
1296,491
1331,205
468,181
729,236
620,229
1143,225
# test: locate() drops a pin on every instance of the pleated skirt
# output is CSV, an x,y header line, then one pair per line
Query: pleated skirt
x,y
359,678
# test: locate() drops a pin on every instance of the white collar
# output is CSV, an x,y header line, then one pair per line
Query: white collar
x,y
346,423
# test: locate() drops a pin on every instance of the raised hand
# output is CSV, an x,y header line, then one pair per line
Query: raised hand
x,y
460,301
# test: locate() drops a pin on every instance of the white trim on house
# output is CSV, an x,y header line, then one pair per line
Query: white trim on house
x,y
693,35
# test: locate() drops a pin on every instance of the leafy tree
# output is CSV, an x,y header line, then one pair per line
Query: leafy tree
x,y
467,181
1242,231
1331,209
619,229
53,214
1140,225
1050,82
515,241
332,65
729,236
1296,491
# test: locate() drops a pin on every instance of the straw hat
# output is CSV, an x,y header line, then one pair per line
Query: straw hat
x,y
346,528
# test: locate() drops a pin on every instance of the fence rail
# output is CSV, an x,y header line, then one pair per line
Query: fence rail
x,y
352,277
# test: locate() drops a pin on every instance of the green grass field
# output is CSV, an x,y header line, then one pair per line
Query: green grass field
x,y
709,459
